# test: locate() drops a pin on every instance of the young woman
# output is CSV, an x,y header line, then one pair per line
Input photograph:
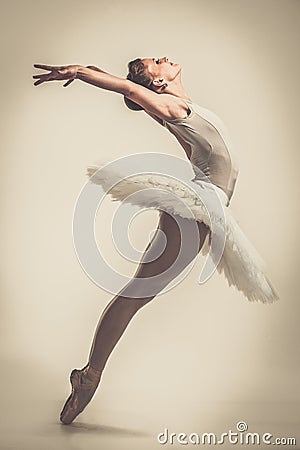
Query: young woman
x,y
155,86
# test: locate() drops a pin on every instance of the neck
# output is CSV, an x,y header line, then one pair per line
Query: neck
x,y
176,88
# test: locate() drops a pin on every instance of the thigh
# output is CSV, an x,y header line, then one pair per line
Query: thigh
x,y
174,245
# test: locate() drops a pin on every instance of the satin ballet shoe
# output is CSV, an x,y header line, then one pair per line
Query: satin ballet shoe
x,y
82,393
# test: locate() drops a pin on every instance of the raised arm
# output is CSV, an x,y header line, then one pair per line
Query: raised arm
x,y
89,67
164,106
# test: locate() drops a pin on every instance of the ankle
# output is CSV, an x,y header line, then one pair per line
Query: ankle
x,y
91,374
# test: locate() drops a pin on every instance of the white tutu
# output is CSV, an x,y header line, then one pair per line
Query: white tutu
x,y
240,262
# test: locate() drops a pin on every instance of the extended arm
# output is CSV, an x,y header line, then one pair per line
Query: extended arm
x,y
89,67
99,78
164,106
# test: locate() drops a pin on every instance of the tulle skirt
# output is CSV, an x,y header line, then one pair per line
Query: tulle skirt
x,y
205,202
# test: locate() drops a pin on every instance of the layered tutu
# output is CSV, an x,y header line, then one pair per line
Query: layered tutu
x,y
239,262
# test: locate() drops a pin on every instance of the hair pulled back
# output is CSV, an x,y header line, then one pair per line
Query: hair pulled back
x,y
139,74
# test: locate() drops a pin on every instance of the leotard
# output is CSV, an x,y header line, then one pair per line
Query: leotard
x,y
210,146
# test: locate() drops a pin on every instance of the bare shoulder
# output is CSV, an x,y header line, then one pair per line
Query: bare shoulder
x,y
164,106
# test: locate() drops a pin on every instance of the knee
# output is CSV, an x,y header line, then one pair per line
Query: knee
x,y
140,291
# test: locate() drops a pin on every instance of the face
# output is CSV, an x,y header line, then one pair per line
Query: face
x,y
162,68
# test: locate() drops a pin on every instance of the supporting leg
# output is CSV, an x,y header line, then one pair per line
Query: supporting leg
x,y
179,252
183,240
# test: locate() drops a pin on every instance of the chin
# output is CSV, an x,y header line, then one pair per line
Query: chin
x,y
177,67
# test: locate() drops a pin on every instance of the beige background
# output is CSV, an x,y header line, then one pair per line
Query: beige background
x,y
199,358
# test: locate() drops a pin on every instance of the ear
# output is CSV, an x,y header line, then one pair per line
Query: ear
x,y
159,82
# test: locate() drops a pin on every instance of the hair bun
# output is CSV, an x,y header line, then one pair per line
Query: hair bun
x,y
132,105
137,74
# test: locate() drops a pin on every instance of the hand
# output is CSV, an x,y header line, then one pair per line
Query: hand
x,y
57,73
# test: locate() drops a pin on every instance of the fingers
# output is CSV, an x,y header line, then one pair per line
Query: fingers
x,y
46,67
43,78
57,73
40,79
68,82
36,83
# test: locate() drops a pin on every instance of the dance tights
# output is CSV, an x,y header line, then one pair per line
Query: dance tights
x,y
181,245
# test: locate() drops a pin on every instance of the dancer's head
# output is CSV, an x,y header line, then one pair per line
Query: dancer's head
x,y
153,73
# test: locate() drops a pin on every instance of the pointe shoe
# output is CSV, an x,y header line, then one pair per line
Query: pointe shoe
x,y
81,395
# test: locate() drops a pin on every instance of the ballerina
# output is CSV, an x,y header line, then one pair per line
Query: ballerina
x,y
154,85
